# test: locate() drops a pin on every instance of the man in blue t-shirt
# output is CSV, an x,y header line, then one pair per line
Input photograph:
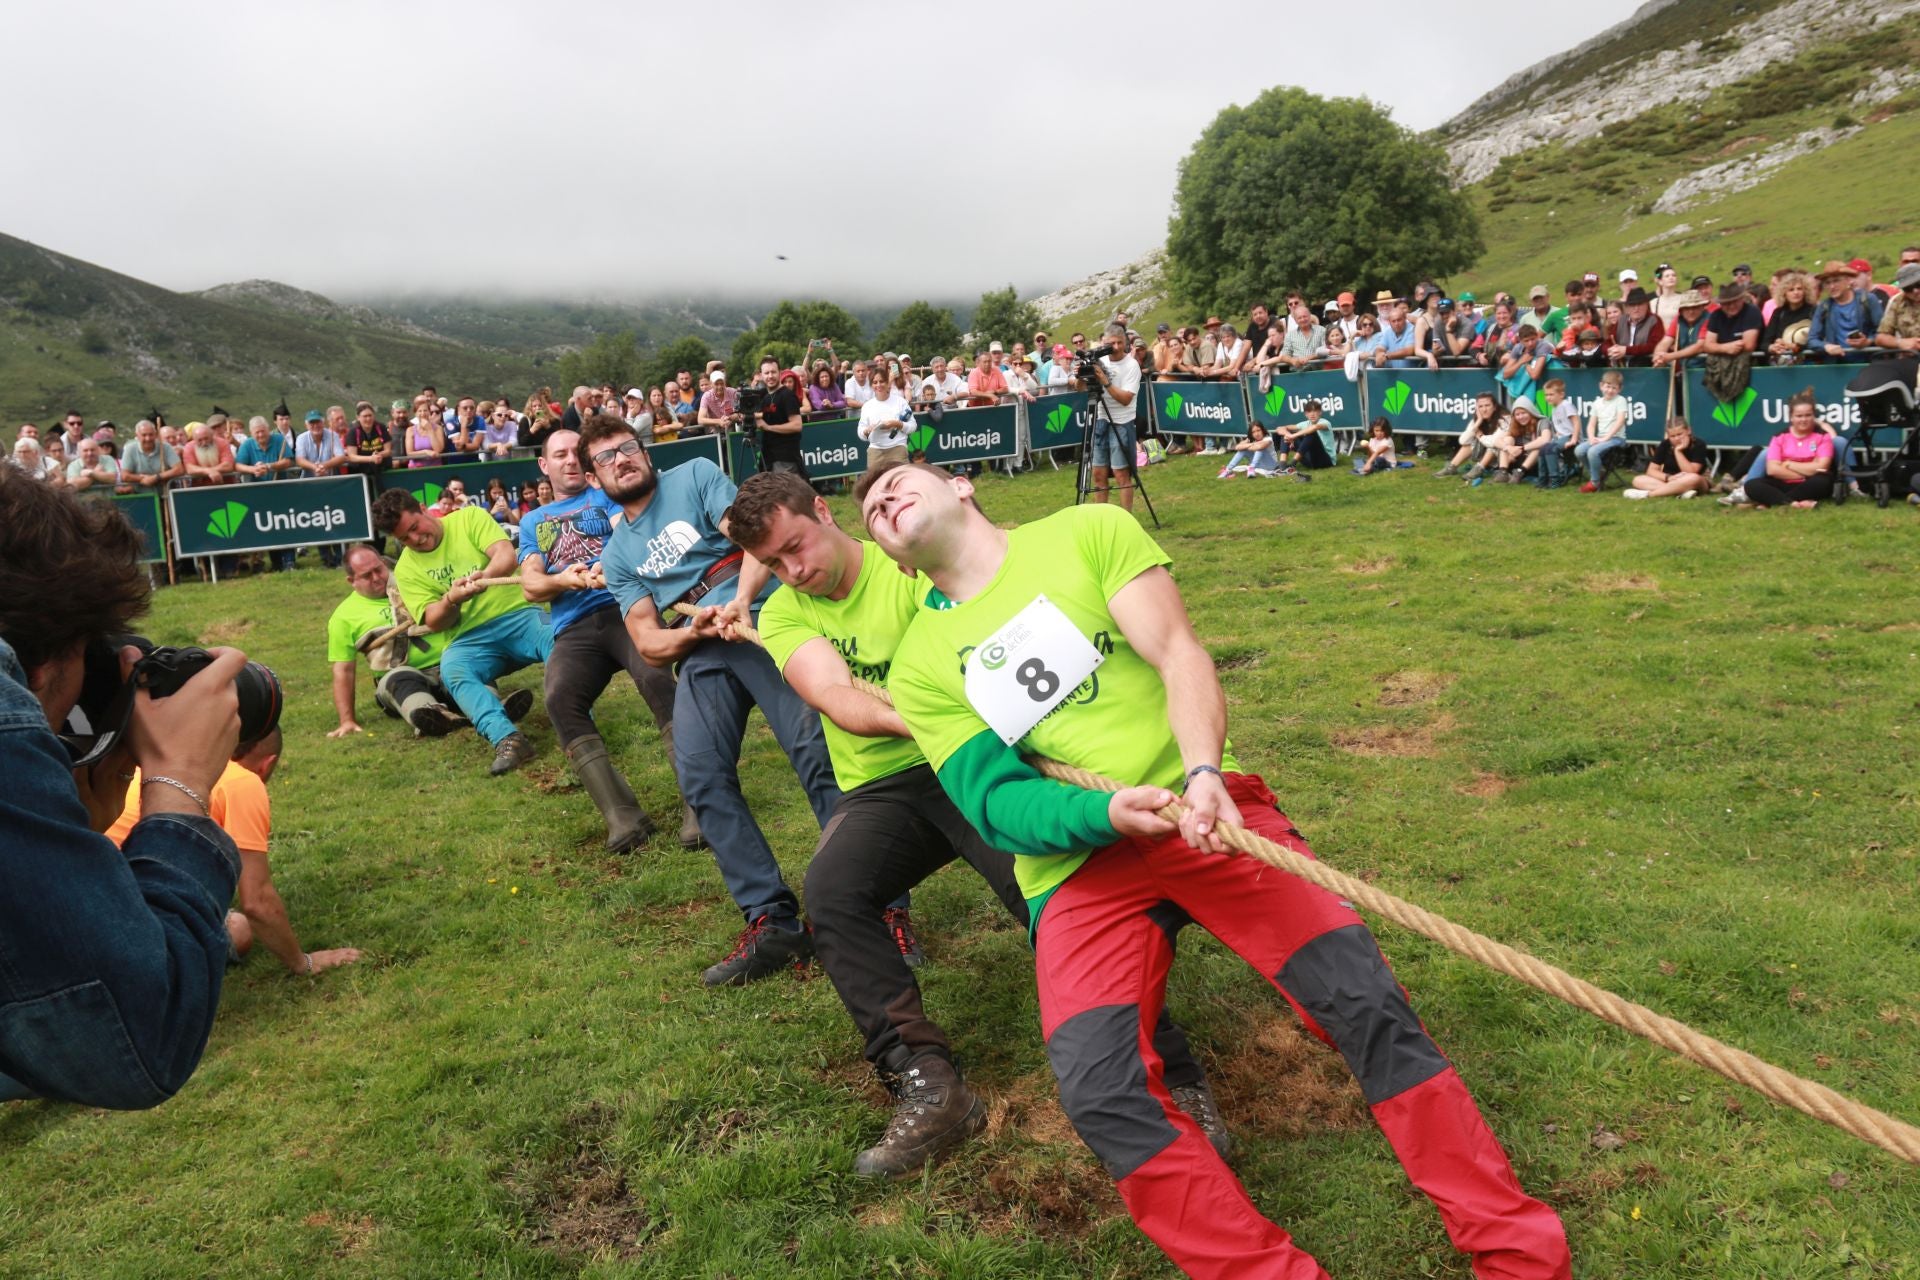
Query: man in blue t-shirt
x,y
671,553
560,546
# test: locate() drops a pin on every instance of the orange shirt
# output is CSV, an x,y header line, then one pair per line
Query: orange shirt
x,y
239,806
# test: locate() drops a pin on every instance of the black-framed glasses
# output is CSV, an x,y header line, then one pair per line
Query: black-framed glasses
x,y
606,457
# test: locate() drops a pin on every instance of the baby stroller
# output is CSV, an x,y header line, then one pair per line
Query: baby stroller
x,y
1885,393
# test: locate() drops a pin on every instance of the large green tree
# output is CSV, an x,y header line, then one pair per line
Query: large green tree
x,y
785,331
922,330
1298,191
611,357
1004,318
690,353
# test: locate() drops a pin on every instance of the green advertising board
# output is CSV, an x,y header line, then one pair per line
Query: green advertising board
x,y
1285,402
1646,391
828,450
1426,401
142,511
967,435
1198,408
1056,421
1761,412
227,518
427,483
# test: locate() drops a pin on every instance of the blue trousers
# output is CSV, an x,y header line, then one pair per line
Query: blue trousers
x,y
1594,454
719,684
478,657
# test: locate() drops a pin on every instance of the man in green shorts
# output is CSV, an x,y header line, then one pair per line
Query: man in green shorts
x,y
839,615
1067,638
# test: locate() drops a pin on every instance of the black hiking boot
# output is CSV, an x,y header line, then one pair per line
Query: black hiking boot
x,y
516,704
1197,1101
932,1110
762,950
514,751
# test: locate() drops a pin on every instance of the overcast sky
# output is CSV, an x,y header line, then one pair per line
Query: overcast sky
x,y
573,146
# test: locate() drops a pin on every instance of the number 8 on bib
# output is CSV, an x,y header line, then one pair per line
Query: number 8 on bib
x,y
1027,668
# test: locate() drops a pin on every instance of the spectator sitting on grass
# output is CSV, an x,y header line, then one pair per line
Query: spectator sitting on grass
x,y
1304,443
1252,456
1606,431
1485,423
1678,469
1499,445
1846,319
1785,337
1376,451
1560,433
1799,461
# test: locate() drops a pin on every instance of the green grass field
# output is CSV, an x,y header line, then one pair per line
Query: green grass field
x,y
1668,747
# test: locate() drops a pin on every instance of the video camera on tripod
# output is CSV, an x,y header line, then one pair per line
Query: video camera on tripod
x,y
1086,367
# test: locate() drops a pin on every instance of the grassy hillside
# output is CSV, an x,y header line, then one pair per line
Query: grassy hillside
x,y
76,335
1605,732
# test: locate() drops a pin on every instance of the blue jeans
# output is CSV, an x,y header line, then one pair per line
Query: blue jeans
x,y
111,960
719,684
1594,454
1114,445
478,657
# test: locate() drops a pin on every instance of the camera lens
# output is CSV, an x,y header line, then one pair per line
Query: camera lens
x,y
260,700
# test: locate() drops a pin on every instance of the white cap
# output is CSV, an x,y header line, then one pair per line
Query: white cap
x,y
1629,274
635,393
718,375
994,346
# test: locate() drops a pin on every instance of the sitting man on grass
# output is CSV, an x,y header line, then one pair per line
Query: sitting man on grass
x,y
495,631
1304,444
1001,661
238,804
1678,469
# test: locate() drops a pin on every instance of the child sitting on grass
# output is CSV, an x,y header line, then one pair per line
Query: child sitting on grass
x,y
1559,433
1376,451
1253,456
1486,423
1304,444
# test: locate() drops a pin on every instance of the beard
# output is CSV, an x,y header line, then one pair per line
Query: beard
x,y
640,486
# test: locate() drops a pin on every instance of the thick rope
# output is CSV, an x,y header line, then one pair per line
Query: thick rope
x,y
374,639
1817,1100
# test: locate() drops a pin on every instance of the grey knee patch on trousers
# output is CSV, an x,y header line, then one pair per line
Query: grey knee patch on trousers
x,y
1344,984
1170,918
1103,1087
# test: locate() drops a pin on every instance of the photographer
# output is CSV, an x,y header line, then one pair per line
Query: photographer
x,y
1118,375
110,962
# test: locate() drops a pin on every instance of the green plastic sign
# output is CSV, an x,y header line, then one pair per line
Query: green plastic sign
x,y
1198,408
272,516
1285,402
1761,412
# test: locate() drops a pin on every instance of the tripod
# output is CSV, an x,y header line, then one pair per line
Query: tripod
x,y
1096,414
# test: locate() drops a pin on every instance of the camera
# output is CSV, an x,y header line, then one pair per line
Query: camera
x,y
1088,362
749,400
100,719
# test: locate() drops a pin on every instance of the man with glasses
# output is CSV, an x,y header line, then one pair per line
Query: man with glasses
x,y
76,431
670,552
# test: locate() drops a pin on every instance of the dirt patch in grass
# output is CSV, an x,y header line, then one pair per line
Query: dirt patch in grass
x,y
1398,740
1052,1201
581,1203
1233,657
224,632
351,1235
1611,582
1485,786
1030,1106
1411,688
1280,1082
1367,567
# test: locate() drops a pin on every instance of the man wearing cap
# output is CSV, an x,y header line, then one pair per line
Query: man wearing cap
x,y
1863,280
318,452
1743,276
719,407
1540,313
1638,333
1846,319
1344,318
148,462
1628,279
1900,324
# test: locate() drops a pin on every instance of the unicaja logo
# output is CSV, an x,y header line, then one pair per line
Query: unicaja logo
x,y
1060,419
1396,397
920,439
427,494
225,522
1276,402
1174,401
1734,413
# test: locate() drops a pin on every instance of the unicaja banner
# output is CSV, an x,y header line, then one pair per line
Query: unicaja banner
x,y
1760,413
227,518
1056,421
1425,401
966,435
829,450
1285,403
142,511
1646,392
427,483
1198,408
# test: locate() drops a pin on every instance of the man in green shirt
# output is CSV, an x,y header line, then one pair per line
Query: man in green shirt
x,y
494,630
1067,638
839,616
408,690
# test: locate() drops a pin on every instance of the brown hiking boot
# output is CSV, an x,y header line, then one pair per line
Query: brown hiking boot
x,y
933,1110
1197,1101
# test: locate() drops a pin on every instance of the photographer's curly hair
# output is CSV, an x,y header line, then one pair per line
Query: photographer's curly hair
x,y
70,569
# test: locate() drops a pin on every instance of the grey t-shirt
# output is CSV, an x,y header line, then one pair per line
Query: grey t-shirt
x,y
135,461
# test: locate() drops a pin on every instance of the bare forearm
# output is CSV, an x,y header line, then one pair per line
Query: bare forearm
x,y
859,713
1196,707
343,692
268,916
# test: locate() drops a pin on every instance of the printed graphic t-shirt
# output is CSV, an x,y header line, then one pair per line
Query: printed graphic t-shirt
x,y
569,532
424,577
866,629
662,553
1114,722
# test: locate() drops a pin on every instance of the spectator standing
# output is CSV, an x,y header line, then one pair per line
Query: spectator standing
x,y
502,431
986,384
208,456
27,456
1303,343
1688,336
1259,321
825,399
945,385
264,454
1791,324
466,434
369,445
1666,297
1900,324
886,422
94,470
424,437
719,407
859,388
1524,363
1639,331
1845,320
148,462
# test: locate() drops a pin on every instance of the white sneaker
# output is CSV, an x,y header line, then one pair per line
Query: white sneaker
x,y
1738,498
1689,493
1633,494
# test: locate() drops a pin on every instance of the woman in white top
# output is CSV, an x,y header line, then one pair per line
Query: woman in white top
x,y
886,421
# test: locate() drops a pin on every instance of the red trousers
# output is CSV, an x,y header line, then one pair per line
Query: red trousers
x,y
1104,946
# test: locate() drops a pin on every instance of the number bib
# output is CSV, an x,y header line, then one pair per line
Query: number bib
x,y
1027,668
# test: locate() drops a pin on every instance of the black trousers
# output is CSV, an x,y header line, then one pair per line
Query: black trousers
x,y
585,658
883,839
392,689
1765,491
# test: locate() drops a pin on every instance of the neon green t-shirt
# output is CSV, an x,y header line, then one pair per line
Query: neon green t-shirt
x,y
1114,722
865,628
425,576
357,615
